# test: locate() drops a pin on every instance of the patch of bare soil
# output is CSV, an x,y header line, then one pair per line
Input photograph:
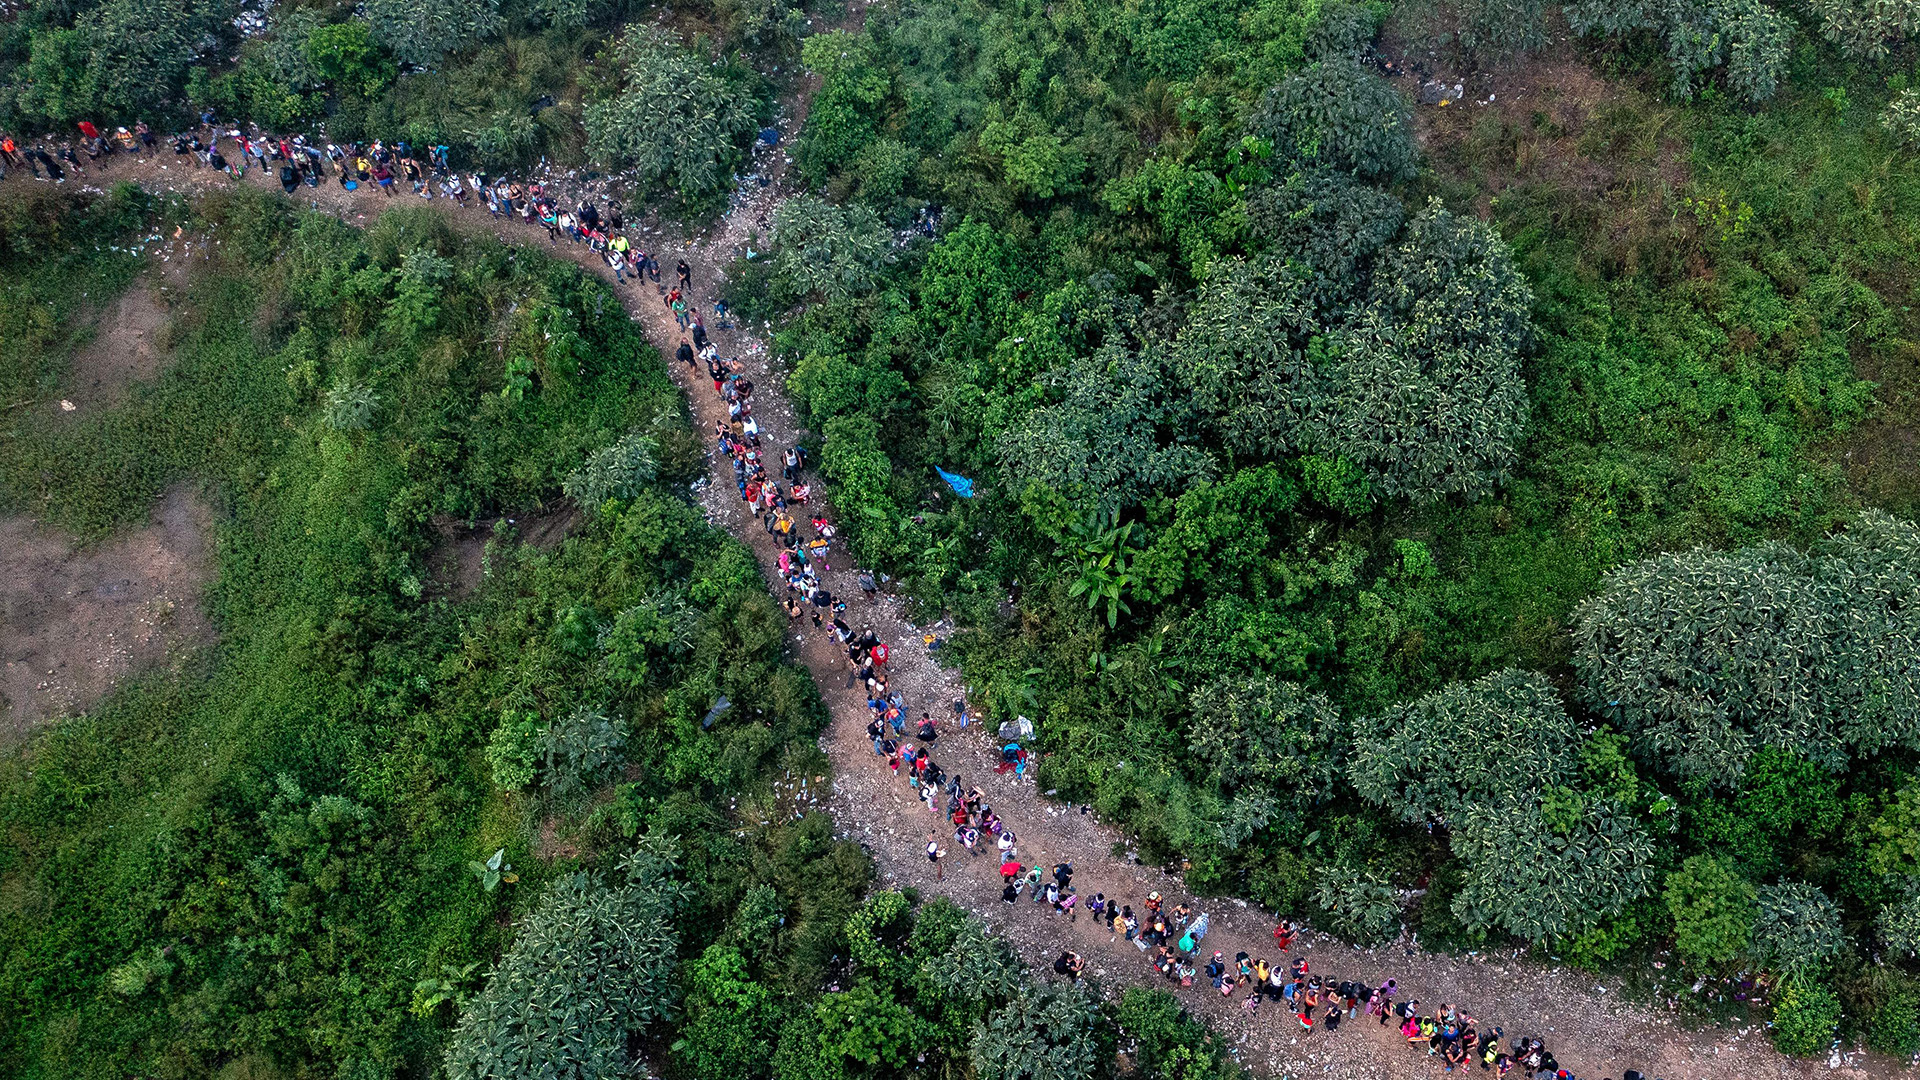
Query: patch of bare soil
x,y
457,565
125,350
75,622
1603,153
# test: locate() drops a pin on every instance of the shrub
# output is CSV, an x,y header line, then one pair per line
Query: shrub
x,y
1471,744
1902,117
513,750
1705,656
1805,1015
1365,908
727,1009
591,965
1338,114
420,32
578,749
1899,922
1713,910
674,120
825,251
1752,40
1054,1032
1864,28
1796,928
1895,1026
1268,736
1580,870
619,471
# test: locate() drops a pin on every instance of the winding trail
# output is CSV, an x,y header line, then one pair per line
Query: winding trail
x,y
1593,1033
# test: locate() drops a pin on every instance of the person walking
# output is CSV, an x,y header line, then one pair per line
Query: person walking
x,y
934,855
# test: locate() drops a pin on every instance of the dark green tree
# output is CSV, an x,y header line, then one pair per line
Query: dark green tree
x,y
591,965
1473,744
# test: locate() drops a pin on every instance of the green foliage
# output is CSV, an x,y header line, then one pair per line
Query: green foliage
x,y
1902,118
1805,1014
619,471
1899,922
514,749
727,1010
346,55
839,118
122,58
1751,40
1364,907
1796,929
1865,30
350,407
590,965
1580,872
170,906
1336,114
1705,656
579,748
1268,737
1895,1026
1470,745
820,250
1168,1042
420,32
673,120
1713,910
1053,1032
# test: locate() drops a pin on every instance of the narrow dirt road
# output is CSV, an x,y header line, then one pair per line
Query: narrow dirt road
x,y
1591,1032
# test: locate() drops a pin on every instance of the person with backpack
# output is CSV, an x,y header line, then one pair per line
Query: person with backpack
x,y
934,855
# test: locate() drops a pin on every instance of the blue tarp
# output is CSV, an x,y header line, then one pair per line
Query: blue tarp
x,y
961,486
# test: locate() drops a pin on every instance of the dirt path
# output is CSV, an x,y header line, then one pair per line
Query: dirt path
x,y
1592,1033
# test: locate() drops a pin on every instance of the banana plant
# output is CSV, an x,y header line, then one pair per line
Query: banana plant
x,y
1104,564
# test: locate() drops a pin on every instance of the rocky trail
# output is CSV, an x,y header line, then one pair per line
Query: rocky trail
x,y
1582,1020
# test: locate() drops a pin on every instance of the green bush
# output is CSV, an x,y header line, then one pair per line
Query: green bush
x,y
1796,929
672,120
1364,907
1713,910
1053,1032
1707,656
1895,1025
1469,745
820,250
619,471
1337,114
420,32
590,966
1805,1014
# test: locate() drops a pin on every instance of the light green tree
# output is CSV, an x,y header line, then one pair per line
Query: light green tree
x,y
1713,909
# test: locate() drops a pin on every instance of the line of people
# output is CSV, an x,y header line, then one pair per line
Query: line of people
x,y
377,165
